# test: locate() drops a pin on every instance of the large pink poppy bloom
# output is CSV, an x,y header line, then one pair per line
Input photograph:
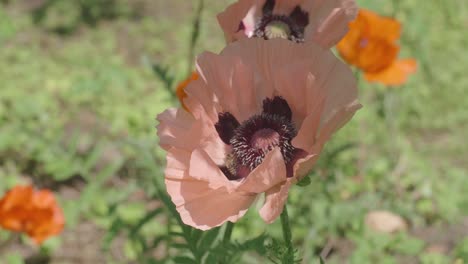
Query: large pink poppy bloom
x,y
258,118
322,21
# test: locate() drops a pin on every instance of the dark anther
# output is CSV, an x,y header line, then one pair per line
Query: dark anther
x,y
268,7
226,125
241,26
277,106
300,17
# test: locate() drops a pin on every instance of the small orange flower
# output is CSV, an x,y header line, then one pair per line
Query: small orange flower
x,y
371,46
180,92
34,212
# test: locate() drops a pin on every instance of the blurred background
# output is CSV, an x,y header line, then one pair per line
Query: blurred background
x,y
81,83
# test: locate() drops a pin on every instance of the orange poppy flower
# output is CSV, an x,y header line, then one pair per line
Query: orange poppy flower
x,y
180,91
34,212
371,46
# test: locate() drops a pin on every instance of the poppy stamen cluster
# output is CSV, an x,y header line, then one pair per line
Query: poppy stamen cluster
x,y
281,26
252,140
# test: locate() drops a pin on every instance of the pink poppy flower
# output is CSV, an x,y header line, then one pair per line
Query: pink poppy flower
x,y
257,120
322,21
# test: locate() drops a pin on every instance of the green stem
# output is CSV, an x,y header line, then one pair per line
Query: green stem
x,y
228,232
287,235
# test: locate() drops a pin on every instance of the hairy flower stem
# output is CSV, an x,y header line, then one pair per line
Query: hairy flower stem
x,y
228,232
287,236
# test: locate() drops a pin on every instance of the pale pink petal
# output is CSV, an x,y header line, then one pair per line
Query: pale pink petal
x,y
244,90
339,118
177,164
215,148
203,168
295,77
230,19
275,199
201,101
306,137
329,20
177,128
249,21
341,94
232,83
264,58
200,190
202,207
304,166
285,7
269,173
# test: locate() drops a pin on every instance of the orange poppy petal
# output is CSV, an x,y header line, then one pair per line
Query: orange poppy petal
x,y
34,212
370,43
396,74
180,91
381,26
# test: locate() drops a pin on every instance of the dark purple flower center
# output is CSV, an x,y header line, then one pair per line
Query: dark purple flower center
x,y
254,138
290,27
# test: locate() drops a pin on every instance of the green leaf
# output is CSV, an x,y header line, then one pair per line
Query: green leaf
x,y
132,212
208,238
180,246
305,181
184,260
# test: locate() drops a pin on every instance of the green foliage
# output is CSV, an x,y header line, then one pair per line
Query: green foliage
x,y
461,250
65,16
77,116
277,252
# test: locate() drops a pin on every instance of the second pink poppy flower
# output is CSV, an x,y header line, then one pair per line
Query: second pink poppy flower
x,y
323,21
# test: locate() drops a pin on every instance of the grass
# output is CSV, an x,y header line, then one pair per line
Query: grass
x,y
77,112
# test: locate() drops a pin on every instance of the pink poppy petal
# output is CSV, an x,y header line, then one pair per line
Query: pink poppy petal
x,y
275,199
339,118
203,168
230,19
296,76
244,91
269,173
232,82
249,21
177,128
177,164
304,166
306,137
341,90
285,7
202,207
201,101
329,20
215,149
